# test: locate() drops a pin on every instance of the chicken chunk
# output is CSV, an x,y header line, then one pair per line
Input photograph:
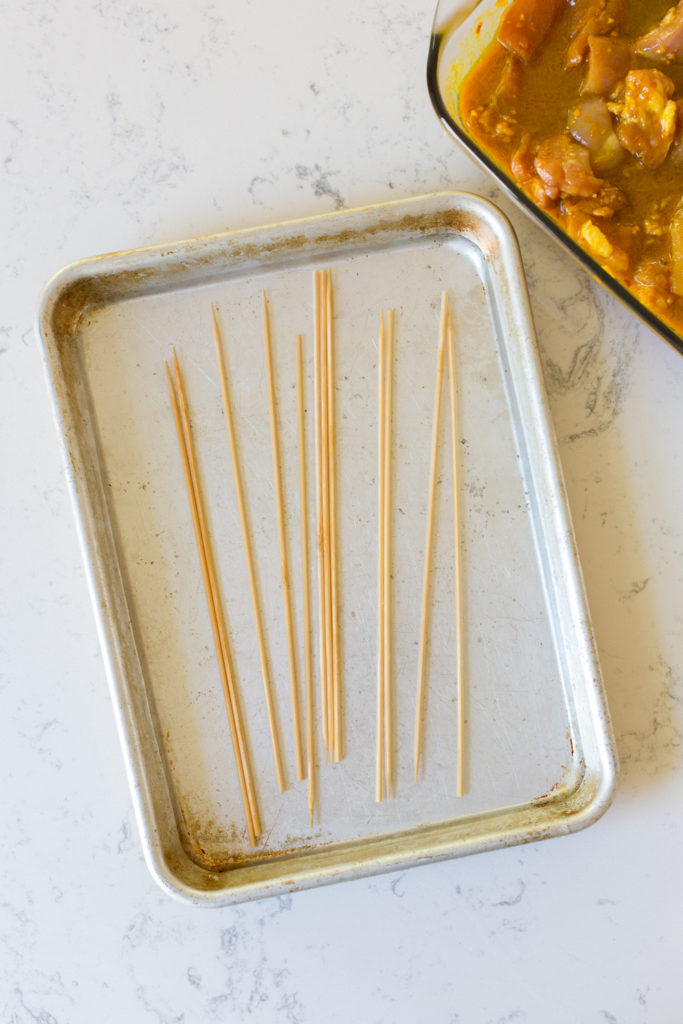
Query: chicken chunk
x,y
652,284
602,206
522,161
555,168
608,62
665,40
525,25
609,243
592,18
677,250
646,116
590,123
564,168
600,246
676,151
497,118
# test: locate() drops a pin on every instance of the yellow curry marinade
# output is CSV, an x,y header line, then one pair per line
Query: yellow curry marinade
x,y
622,215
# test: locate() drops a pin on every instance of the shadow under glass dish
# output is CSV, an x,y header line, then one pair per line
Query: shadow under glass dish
x,y
462,31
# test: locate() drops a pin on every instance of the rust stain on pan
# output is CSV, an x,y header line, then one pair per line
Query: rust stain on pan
x,y
81,297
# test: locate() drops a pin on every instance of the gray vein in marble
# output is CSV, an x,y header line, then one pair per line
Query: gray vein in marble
x,y
319,181
641,995
230,940
658,742
396,884
290,1009
163,1016
10,155
255,182
41,1016
512,901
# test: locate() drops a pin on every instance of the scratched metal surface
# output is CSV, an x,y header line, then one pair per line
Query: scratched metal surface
x,y
538,748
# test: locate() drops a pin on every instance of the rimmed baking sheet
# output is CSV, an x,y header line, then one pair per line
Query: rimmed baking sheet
x,y
539,755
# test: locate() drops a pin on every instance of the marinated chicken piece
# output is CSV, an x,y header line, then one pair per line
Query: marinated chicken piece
x,y
522,162
525,25
646,115
653,274
590,123
608,62
498,117
592,18
652,284
564,168
677,250
554,168
676,151
599,245
665,40
524,173
602,206
611,244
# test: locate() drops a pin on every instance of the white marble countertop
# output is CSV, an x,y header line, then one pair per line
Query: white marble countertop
x,y
135,123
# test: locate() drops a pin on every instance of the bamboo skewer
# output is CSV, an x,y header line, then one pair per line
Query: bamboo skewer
x,y
457,568
332,520
327,571
430,533
267,685
381,454
384,772
305,570
388,684
282,539
320,532
327,566
330,676
181,418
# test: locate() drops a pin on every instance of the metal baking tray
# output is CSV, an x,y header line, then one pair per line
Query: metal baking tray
x,y
539,752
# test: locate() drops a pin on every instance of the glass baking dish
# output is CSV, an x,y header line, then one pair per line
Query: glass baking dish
x,y
461,32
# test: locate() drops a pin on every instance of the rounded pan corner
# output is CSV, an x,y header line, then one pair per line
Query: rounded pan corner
x,y
600,788
589,801
84,285
501,237
63,301
177,875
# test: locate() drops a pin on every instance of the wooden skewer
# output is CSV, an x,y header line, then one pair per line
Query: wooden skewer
x,y
320,529
282,538
212,598
388,687
327,569
332,486
381,455
457,569
267,685
204,532
430,533
305,570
